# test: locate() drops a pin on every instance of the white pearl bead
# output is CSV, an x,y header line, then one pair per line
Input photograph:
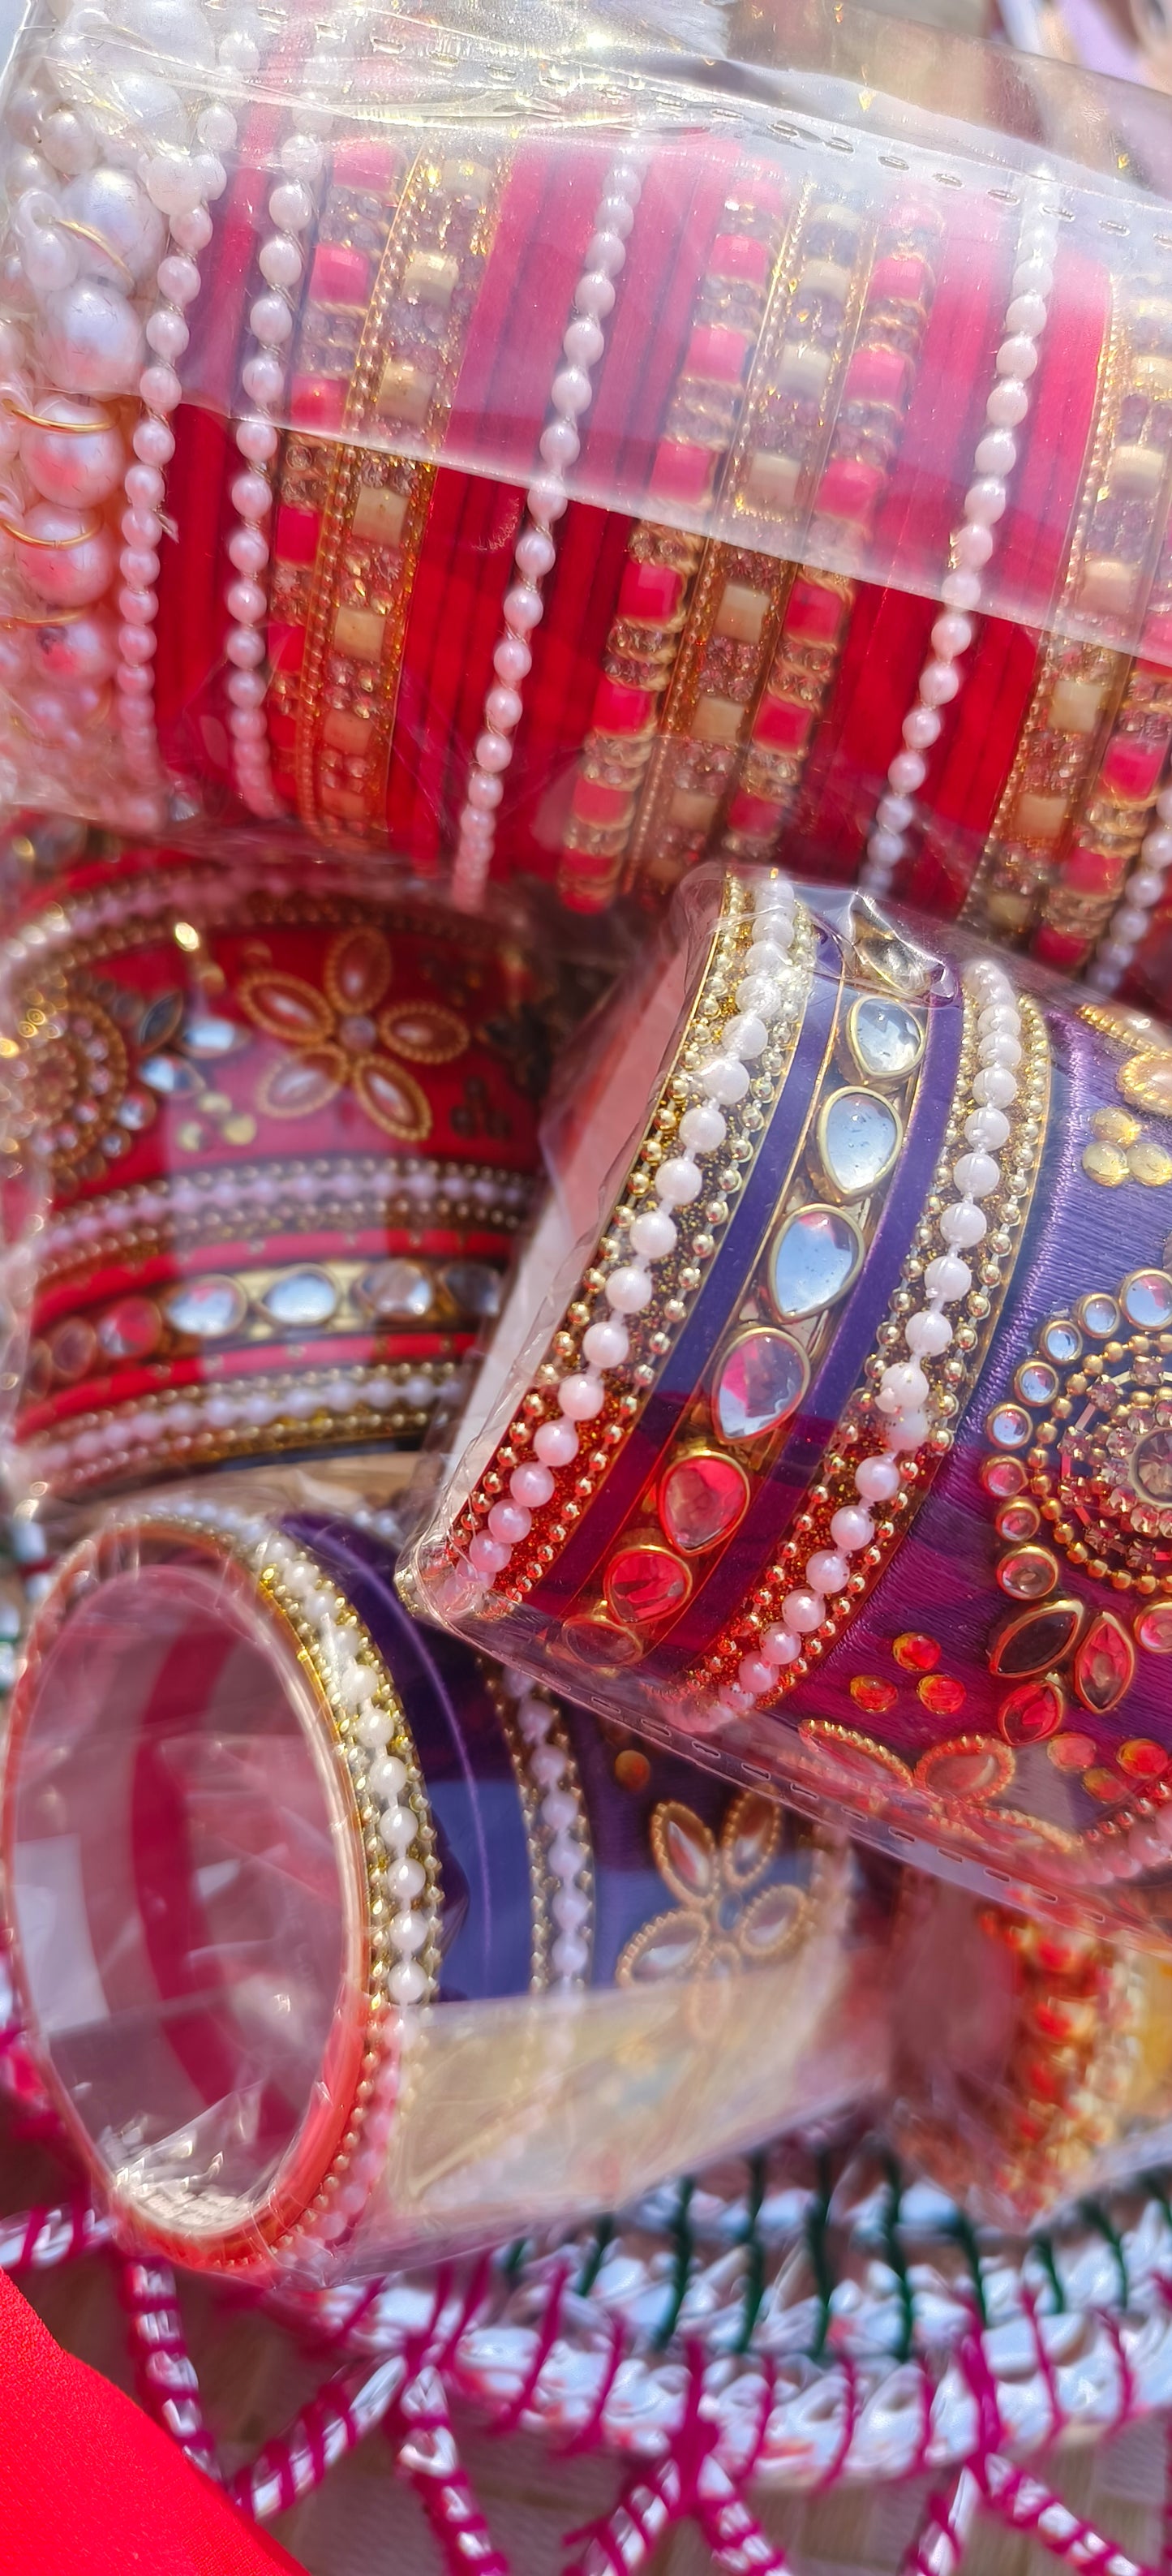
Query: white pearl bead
x,y
1157,845
746,1036
90,340
1145,887
535,554
1027,314
972,546
963,1225
271,321
951,635
547,500
555,1443
851,1529
493,753
1130,922
976,1174
723,1080
281,260
560,444
594,294
58,568
263,378
71,464
111,204
987,1128
996,452
570,392
1007,404
907,772
703,1129
583,341
948,1277
654,1234
1017,358
961,589
902,1385
927,1334
802,1611
522,608
629,1289
907,1431
291,206
760,994
876,1480
606,1345
894,813
921,728
885,849
607,252
827,1571
779,1645
1033,276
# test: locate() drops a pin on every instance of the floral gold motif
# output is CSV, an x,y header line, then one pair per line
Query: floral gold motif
x,y
349,1036
724,1919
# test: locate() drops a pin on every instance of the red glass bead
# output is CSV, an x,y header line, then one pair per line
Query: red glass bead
x,y
1003,1477
296,537
916,1653
1154,1628
1059,948
1104,1786
646,1584
782,723
1143,1759
682,472
942,1694
594,802
877,1697
632,1771
1092,872
132,1329
649,593
701,1499
340,276
898,281
876,375
757,815
318,402
1131,768
1032,1712
1104,1666
717,354
848,491
740,256
814,612
1072,1752
286,646
621,710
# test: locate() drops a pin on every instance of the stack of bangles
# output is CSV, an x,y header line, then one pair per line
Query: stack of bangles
x,y
584,502
842,1451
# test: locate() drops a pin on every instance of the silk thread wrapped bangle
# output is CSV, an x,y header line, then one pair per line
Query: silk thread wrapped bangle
x,y
972,543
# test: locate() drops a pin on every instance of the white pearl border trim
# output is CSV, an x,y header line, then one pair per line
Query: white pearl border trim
x,y
1146,887
131,1439
535,551
292,205
971,546
563,1825
903,1388
767,987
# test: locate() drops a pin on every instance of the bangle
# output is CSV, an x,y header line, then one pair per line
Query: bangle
x,y
204,1292
750,1455
354,1907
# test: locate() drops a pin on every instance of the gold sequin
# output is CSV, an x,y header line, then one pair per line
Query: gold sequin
x,y
1106,1164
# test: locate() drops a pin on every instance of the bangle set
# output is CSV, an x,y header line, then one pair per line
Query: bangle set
x,y
389,616
394,1861
203,1292
841,1349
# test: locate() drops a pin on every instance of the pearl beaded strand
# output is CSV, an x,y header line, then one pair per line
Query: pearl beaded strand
x,y
535,550
762,995
903,1389
1145,888
291,208
971,547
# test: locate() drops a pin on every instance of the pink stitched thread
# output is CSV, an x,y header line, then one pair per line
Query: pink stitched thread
x,y
940,2542
517,2406
1024,2504
590,2434
733,2533
1126,2409
429,2457
1058,2416
849,2422
167,2377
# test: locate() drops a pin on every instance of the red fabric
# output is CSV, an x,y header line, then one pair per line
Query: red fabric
x,y
88,2484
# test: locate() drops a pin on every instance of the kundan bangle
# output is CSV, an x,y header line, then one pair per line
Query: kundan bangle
x,y
870,1371
282,1176
361,1884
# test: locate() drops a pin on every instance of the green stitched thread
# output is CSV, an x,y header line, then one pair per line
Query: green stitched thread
x,y
895,2256
817,2220
685,2247
754,2255
603,2232
1043,2247
513,2257
961,2228
1096,2217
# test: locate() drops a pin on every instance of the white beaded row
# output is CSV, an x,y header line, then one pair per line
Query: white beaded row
x,y
292,204
1145,888
133,1437
971,547
903,1389
99,206
567,1849
360,1181
535,551
762,995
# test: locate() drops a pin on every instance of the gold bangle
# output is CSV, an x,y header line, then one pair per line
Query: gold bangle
x,y
375,507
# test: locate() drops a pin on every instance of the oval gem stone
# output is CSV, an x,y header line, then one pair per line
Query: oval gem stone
x,y
1032,1712
858,1140
132,1329
1104,1665
762,1379
475,1286
1037,1382
1099,1316
1036,1639
397,1288
302,1297
701,1499
1154,1628
646,1584
885,1040
206,1308
73,1348
814,1259
1151,1468
1147,1300
1062,1341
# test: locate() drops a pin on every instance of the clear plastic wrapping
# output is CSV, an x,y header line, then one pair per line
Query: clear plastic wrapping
x,y
334,1941
547,449
827,1435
